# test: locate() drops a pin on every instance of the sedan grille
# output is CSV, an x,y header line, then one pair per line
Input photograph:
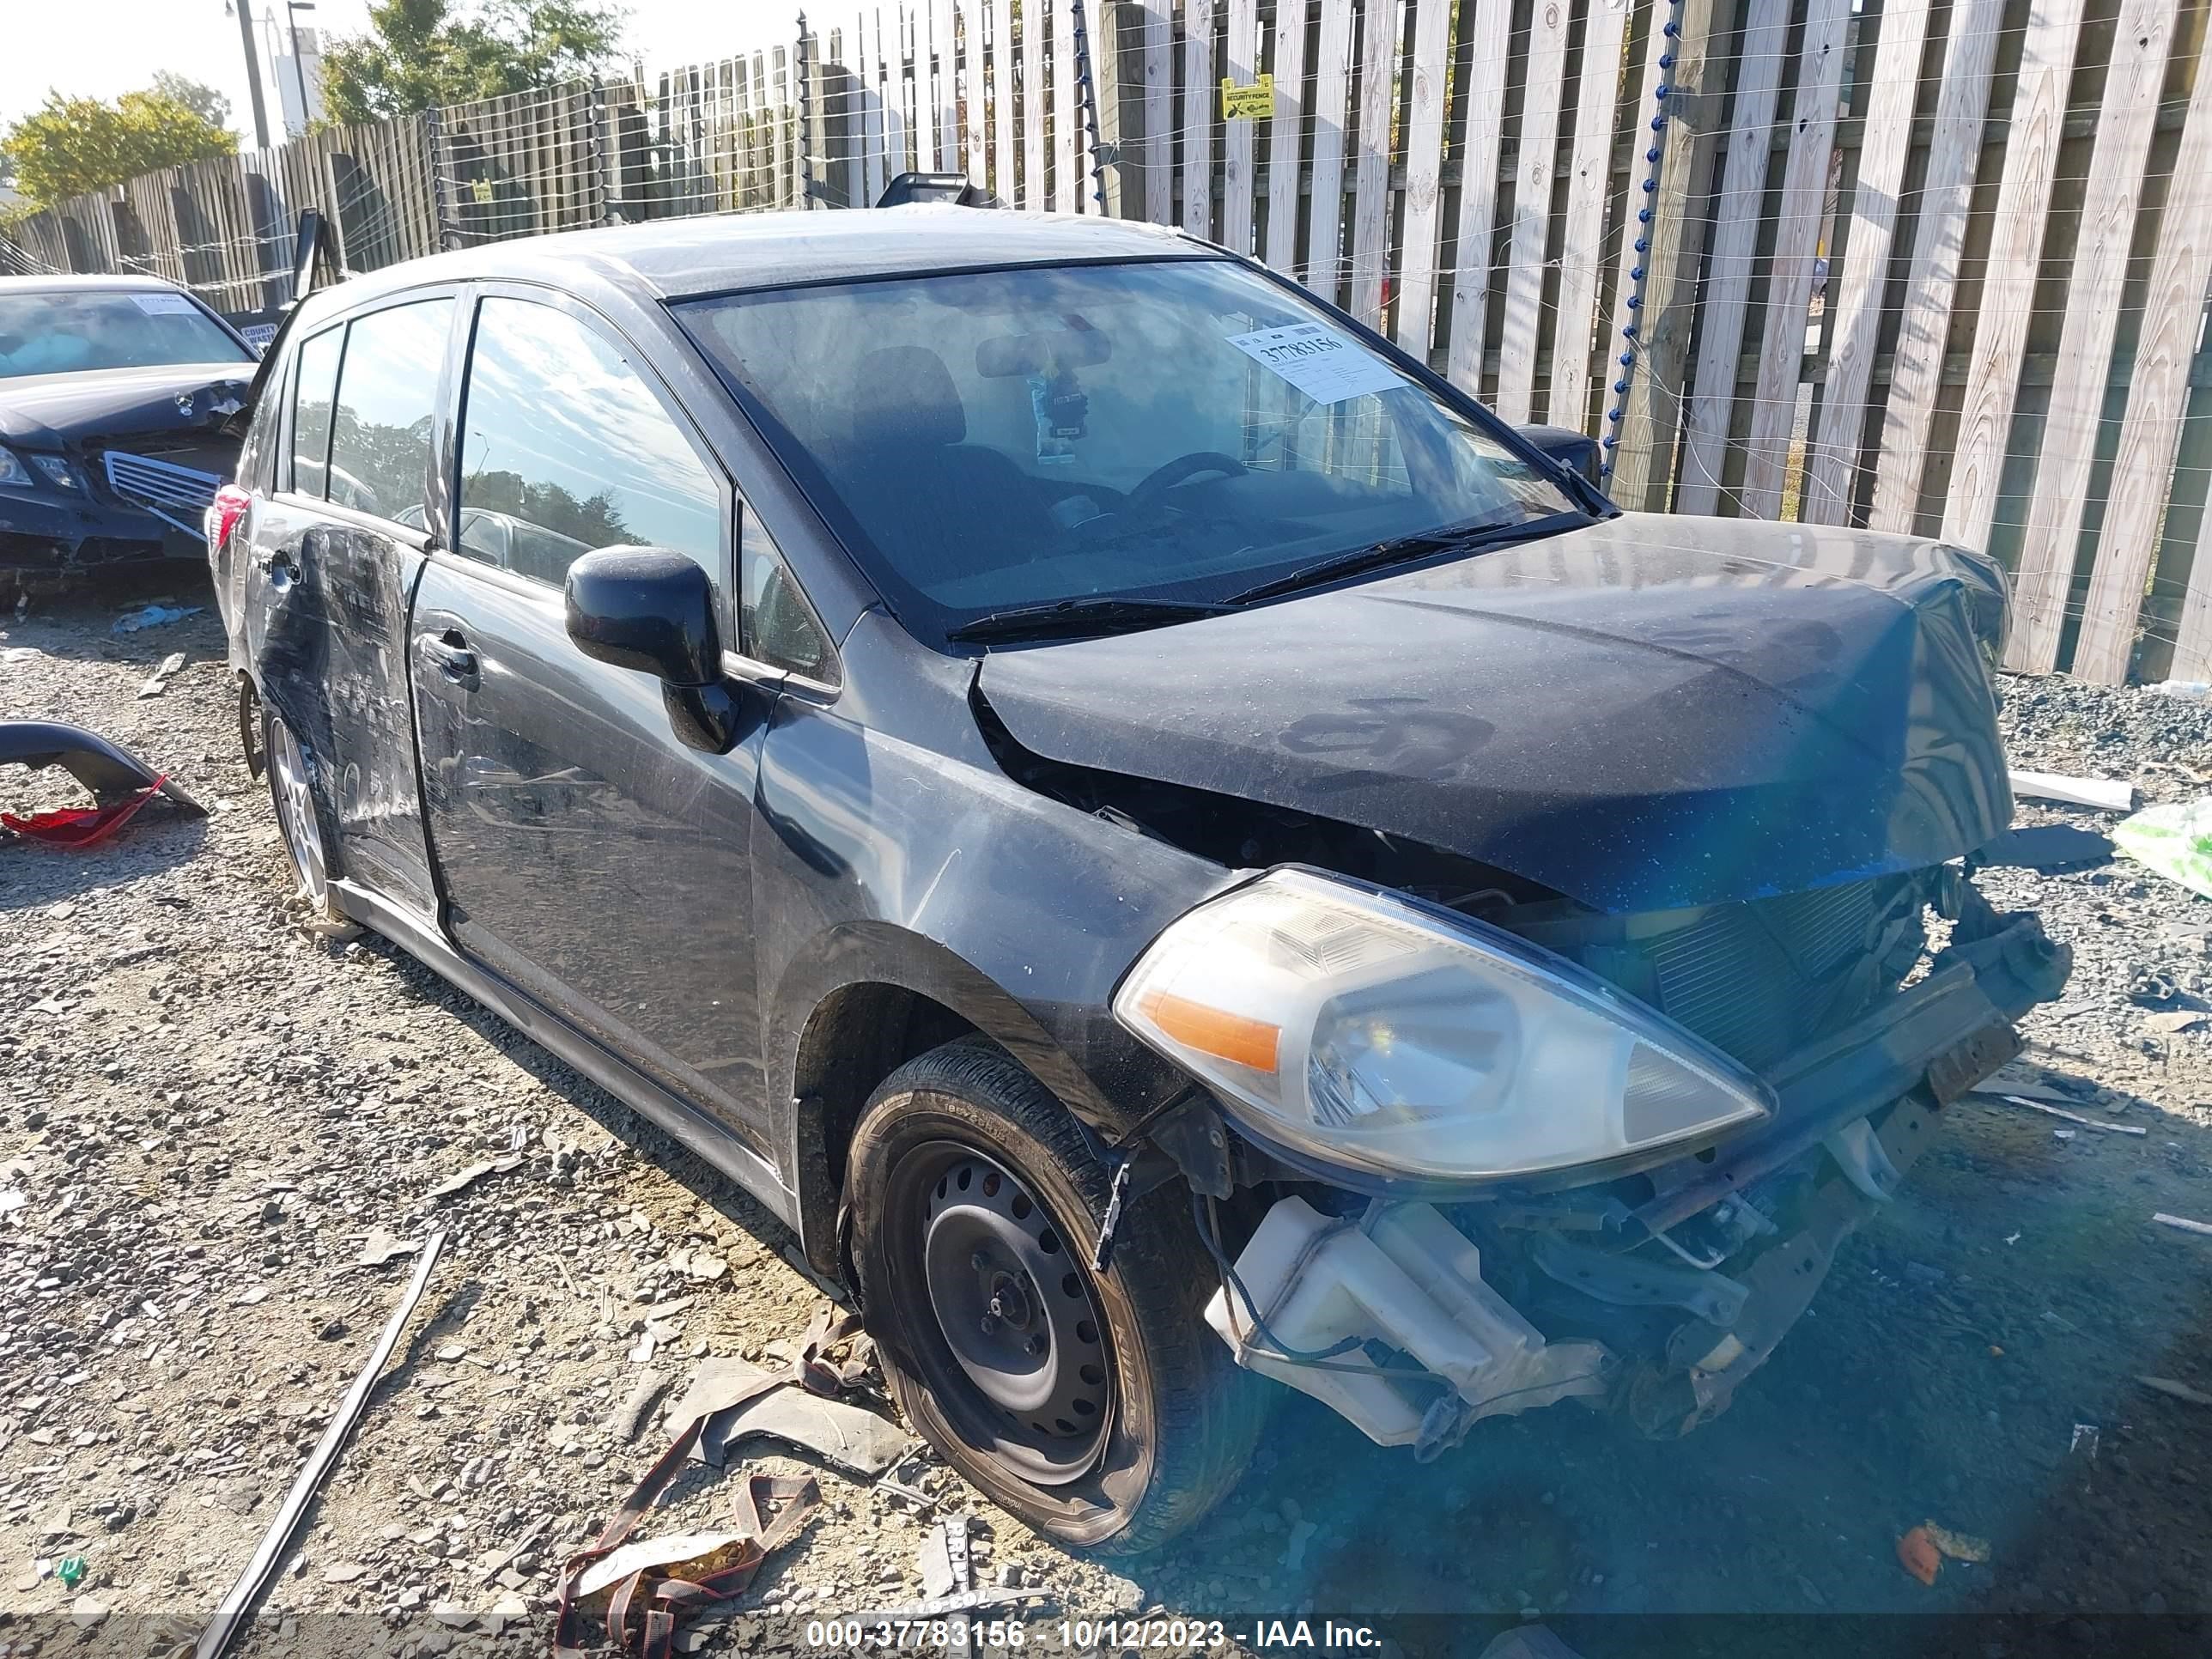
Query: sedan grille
x,y
180,495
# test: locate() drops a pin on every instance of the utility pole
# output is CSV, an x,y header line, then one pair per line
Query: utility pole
x,y
292,10
245,10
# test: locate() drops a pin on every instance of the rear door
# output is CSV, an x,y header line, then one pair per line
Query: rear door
x,y
585,853
333,552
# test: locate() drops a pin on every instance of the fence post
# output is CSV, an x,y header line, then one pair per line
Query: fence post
x,y
808,107
1086,94
433,127
1691,96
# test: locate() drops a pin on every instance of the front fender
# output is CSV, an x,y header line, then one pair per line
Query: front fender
x,y
878,860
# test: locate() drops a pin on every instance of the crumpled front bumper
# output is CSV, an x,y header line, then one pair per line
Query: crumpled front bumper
x,y
54,533
1404,1289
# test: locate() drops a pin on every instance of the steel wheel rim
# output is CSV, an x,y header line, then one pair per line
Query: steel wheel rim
x,y
295,810
1022,1360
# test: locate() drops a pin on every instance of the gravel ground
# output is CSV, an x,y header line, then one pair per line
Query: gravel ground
x,y
205,1114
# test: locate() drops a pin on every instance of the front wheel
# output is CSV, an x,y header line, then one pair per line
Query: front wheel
x,y
1096,1407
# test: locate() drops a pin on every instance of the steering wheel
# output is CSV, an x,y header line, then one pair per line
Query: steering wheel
x,y
1155,484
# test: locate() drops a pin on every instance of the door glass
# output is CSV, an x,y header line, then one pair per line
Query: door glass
x,y
380,437
565,448
311,414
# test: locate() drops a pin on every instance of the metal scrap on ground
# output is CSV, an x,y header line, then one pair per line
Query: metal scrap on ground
x,y
158,681
231,1615
2071,1117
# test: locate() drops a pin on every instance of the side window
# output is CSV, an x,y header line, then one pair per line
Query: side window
x,y
773,622
314,384
564,448
380,430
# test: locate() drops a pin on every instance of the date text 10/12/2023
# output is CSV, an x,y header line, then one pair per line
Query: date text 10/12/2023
x,y
1172,1635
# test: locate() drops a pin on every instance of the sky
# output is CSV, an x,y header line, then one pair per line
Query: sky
x,y
106,47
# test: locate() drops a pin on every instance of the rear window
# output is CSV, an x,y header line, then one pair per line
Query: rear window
x,y
63,332
387,391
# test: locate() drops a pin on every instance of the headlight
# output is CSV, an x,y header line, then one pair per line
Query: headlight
x,y
1351,1028
57,468
12,470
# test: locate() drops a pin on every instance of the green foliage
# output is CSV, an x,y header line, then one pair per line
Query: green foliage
x,y
418,53
204,100
70,145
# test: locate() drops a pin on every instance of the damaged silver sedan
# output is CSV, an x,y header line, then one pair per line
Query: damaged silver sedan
x,y
1179,853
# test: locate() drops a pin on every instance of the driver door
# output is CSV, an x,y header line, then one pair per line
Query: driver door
x,y
583,853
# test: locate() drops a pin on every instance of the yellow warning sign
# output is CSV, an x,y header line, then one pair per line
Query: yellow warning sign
x,y
1253,103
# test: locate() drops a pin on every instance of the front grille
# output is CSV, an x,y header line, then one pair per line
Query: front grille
x,y
181,495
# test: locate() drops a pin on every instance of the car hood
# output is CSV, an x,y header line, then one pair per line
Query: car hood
x,y
1646,713
47,410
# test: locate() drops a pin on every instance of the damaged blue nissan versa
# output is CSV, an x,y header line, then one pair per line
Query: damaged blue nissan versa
x,y
1170,845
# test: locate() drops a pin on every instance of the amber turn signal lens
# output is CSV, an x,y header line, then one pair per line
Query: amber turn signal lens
x,y
1233,1037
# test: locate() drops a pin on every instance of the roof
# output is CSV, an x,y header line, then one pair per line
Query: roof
x,y
679,257
65,282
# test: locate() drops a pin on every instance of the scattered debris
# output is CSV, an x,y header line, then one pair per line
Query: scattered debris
x,y
849,1438
474,1173
380,1247
2085,1434
2046,847
630,1416
2193,690
1918,1554
2111,795
72,1570
2174,839
1959,1546
2071,1117
230,1615
2167,1386
943,1561
2182,1221
158,681
2176,1020
913,1495
154,616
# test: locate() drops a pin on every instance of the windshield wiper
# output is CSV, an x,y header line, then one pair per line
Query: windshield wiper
x,y
1398,550
1078,616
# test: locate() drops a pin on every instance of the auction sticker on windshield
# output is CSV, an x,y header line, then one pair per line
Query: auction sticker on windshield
x,y
1328,367
164,305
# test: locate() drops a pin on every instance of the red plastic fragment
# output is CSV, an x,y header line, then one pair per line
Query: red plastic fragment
x,y
80,826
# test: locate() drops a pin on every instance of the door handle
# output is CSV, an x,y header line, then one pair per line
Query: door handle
x,y
449,654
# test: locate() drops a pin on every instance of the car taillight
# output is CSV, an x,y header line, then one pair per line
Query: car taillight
x,y
223,514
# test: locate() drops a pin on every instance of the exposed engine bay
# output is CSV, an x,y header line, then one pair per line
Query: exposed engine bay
x,y
1869,1005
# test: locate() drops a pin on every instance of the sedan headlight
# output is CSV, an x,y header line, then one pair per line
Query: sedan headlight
x,y
12,470
1347,1027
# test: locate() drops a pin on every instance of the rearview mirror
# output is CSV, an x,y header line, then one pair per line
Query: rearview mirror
x,y
1575,451
652,610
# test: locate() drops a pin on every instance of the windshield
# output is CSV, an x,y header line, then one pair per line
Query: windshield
x,y
64,333
1180,430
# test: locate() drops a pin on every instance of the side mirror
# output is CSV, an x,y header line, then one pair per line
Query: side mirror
x,y
652,610
1575,451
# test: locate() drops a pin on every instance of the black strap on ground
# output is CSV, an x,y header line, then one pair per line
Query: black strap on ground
x,y
797,1500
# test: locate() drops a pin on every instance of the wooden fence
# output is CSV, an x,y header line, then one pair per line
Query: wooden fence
x,y
1937,267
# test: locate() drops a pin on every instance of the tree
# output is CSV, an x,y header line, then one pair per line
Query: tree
x,y
418,54
70,145
204,102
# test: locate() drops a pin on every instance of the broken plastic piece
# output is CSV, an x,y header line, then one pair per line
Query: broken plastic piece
x,y
2045,847
1959,1546
110,771
2111,795
1411,1280
1918,1554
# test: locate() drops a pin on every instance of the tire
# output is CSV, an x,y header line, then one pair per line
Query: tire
x,y
291,773
1171,1419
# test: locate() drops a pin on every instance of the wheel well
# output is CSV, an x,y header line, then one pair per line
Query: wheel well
x,y
858,1037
